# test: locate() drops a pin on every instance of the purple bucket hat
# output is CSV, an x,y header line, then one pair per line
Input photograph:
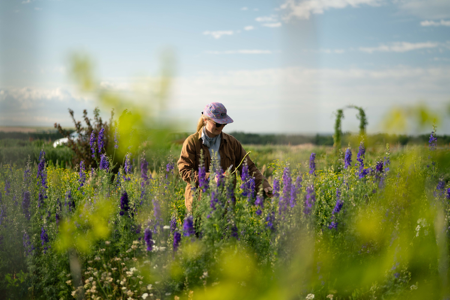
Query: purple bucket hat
x,y
217,112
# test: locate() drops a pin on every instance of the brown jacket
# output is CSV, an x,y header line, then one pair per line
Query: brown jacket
x,y
231,153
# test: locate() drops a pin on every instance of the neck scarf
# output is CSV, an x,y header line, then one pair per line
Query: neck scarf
x,y
210,142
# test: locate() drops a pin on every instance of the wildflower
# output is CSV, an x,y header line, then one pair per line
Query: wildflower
x,y
40,199
259,201
234,231
169,167
101,142
176,241
287,183
41,170
348,158
127,167
310,296
82,179
71,202
295,188
276,188
92,143
270,219
339,202
432,142
57,218
188,226
333,225
312,163
26,243
360,158
219,177
156,209
148,239
144,170
124,203
214,199
230,193
173,224
310,198
144,296
26,204
203,181
448,193
44,237
104,164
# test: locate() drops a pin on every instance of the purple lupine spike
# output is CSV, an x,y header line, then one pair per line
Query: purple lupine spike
x,y
26,204
220,178
156,209
71,201
310,199
124,203
348,158
203,181
379,167
339,202
104,164
57,218
82,174
432,142
259,201
188,226
214,200
144,171
44,236
251,189
295,189
40,199
234,231
333,225
270,219
276,188
360,158
101,142
230,194
92,143
287,184
244,174
176,241
128,166
148,239
26,243
7,187
41,170
173,224
116,136
169,167
312,163
448,193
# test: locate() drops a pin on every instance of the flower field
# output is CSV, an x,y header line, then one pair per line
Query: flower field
x,y
356,226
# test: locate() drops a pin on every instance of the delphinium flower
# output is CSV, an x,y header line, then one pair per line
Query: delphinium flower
x,y
157,211
310,198
92,143
337,208
270,219
44,238
276,188
176,241
203,182
214,199
173,224
169,168
440,189
101,142
287,183
127,167
41,170
432,142
124,203
188,226
40,199
251,189
295,189
148,239
234,231
116,136
448,193
244,176
82,174
230,191
26,204
219,177
7,187
312,163
70,201
259,202
360,159
104,164
348,158
57,218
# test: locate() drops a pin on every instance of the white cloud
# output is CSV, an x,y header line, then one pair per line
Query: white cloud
x,y
26,1
271,18
399,47
239,52
304,9
331,51
218,34
255,9
425,9
433,23
38,8
303,100
249,28
272,25
244,8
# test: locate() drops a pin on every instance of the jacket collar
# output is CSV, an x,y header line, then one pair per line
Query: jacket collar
x,y
224,136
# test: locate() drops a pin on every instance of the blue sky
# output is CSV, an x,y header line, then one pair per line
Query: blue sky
x,y
278,66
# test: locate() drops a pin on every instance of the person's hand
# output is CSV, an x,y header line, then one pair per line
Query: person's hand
x,y
268,191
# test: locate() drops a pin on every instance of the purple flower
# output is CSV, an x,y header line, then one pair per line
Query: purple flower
x,y
386,163
276,188
244,174
360,158
57,218
101,142
156,209
148,239
188,226
41,170
348,158
312,163
26,204
333,225
128,166
124,203
214,199
270,219
295,189
258,212
44,236
203,181
234,231
26,243
259,201
71,202
310,198
448,193
40,199
169,167
173,224
219,177
379,167
116,142
104,164
82,174
230,193
144,171
287,184
339,202
432,141
92,142
176,241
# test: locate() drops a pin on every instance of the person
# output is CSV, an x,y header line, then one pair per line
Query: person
x,y
214,143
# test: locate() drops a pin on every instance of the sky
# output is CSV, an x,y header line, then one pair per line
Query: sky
x,y
280,66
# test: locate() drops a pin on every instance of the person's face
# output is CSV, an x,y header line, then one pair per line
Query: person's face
x,y
213,129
